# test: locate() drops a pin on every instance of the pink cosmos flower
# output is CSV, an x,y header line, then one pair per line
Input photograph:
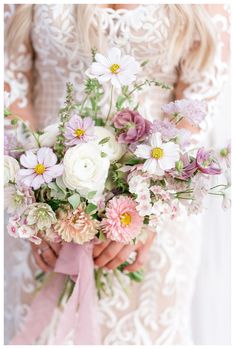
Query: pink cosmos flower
x,y
207,162
193,110
79,130
40,168
122,222
133,127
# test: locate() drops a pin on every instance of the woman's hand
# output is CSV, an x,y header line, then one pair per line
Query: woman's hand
x,y
111,254
46,254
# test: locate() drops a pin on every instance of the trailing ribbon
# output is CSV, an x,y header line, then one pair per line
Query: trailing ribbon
x,y
79,315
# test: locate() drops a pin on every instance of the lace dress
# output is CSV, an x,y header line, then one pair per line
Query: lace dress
x,y
158,310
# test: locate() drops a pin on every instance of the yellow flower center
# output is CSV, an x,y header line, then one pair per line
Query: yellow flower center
x,y
125,218
114,68
79,132
39,169
157,153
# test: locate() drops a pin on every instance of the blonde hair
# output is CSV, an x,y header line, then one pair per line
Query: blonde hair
x,y
185,22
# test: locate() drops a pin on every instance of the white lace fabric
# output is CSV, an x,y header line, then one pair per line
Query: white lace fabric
x,y
158,310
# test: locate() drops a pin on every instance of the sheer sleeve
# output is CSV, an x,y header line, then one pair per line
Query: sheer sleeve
x,y
209,84
18,72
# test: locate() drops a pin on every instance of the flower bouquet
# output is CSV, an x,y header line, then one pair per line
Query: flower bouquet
x,y
92,177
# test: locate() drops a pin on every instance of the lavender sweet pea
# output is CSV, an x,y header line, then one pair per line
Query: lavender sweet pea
x,y
193,110
207,162
133,127
79,130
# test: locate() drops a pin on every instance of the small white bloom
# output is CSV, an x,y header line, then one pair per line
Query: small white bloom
x,y
84,169
25,232
160,156
120,70
111,148
11,167
144,208
48,138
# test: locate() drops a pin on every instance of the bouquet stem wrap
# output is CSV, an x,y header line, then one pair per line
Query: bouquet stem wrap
x,y
79,315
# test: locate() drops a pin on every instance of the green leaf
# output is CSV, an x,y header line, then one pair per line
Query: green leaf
x,y
101,236
90,208
7,112
91,194
14,121
74,200
103,155
133,161
144,63
104,140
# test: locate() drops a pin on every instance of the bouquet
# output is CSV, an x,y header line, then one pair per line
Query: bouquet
x,y
117,176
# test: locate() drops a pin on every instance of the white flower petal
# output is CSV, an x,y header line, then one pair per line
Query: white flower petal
x,y
150,166
114,56
29,159
104,78
166,163
102,60
115,81
143,151
155,140
125,78
98,69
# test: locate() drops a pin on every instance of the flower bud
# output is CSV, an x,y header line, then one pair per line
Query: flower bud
x,y
179,165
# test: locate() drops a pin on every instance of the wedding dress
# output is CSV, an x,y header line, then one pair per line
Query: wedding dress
x,y
157,311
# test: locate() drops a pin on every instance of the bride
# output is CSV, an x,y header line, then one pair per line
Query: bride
x,y
49,45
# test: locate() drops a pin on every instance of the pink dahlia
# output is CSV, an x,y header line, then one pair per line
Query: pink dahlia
x,y
75,225
122,222
39,168
133,127
79,130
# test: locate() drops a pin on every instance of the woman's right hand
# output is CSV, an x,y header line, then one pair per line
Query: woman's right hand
x,y
46,254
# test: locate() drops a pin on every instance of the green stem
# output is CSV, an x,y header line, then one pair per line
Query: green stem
x,y
110,105
83,103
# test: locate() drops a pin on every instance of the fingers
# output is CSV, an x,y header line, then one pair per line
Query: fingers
x,y
56,248
142,253
121,257
108,253
38,259
99,248
139,261
49,257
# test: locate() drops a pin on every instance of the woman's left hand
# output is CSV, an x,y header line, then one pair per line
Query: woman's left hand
x,y
111,254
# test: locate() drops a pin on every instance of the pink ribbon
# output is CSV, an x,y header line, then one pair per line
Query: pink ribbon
x,y
79,317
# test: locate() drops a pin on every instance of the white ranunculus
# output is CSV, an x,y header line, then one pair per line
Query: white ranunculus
x,y
11,167
84,169
112,148
48,138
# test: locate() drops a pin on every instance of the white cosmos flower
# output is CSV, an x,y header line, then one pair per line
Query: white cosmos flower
x,y
160,156
120,70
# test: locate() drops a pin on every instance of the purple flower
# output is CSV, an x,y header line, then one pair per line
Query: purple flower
x,y
40,168
207,162
169,131
166,128
79,130
133,127
184,168
193,110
